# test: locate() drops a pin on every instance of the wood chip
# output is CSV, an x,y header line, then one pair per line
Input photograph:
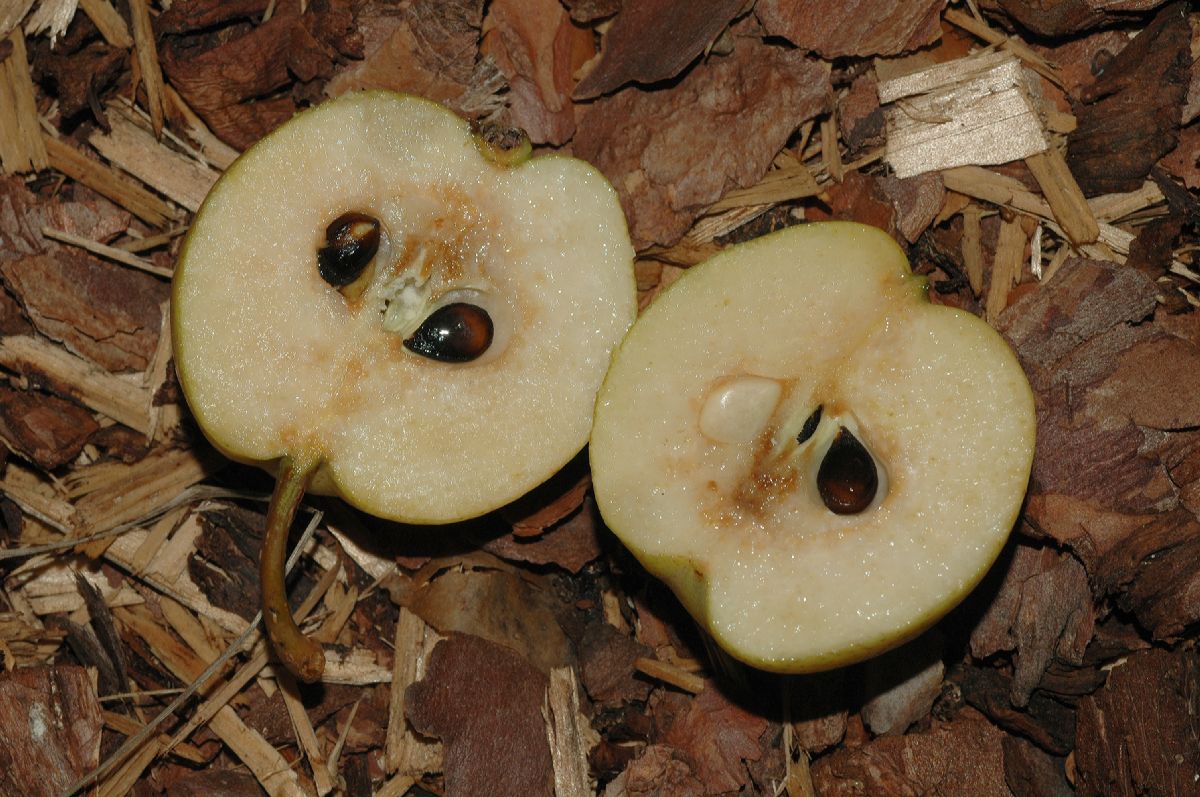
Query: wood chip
x,y
1006,267
569,735
109,252
110,23
147,58
21,147
119,399
669,673
1064,196
135,150
407,753
975,110
104,180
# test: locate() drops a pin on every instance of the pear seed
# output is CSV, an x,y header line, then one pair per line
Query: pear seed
x,y
454,333
847,479
738,409
351,241
810,425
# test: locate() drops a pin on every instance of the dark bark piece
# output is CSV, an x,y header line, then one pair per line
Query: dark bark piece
x,y
1064,17
1183,162
216,783
960,757
587,11
230,85
837,28
50,726
1044,721
100,310
1085,299
105,629
500,606
860,118
917,202
73,77
1153,249
426,48
672,153
655,40
570,545
197,15
1130,116
657,772
538,50
225,563
121,442
1140,734
715,737
1055,620
44,429
12,320
485,703
606,666
860,197
1033,773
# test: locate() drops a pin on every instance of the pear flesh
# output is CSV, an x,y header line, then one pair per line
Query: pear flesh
x,y
708,444
276,361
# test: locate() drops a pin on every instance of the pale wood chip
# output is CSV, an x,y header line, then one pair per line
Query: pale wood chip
x,y
973,110
1006,267
36,496
52,16
1064,196
406,752
21,147
972,247
109,252
143,488
12,12
305,734
110,23
215,152
144,155
102,179
977,27
147,58
122,780
831,153
671,674
570,735
270,768
128,726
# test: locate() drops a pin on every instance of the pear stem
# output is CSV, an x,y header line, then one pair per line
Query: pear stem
x,y
303,657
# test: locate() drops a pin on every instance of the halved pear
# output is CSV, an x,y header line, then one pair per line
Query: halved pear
x,y
379,303
818,461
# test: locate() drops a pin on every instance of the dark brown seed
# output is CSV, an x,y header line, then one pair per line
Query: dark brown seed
x,y
351,241
810,425
847,479
453,333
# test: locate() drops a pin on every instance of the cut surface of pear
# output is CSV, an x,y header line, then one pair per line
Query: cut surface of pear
x,y
764,363
275,360
377,302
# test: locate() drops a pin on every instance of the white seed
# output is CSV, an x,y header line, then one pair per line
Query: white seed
x,y
737,409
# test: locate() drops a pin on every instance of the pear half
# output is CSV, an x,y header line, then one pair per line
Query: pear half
x,y
818,461
379,303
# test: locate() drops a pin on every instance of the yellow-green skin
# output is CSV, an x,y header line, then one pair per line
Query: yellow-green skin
x,y
833,313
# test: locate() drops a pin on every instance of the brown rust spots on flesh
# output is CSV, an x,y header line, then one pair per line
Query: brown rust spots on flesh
x,y
769,480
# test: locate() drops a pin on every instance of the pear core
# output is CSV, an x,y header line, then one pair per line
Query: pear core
x,y
727,510
276,361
